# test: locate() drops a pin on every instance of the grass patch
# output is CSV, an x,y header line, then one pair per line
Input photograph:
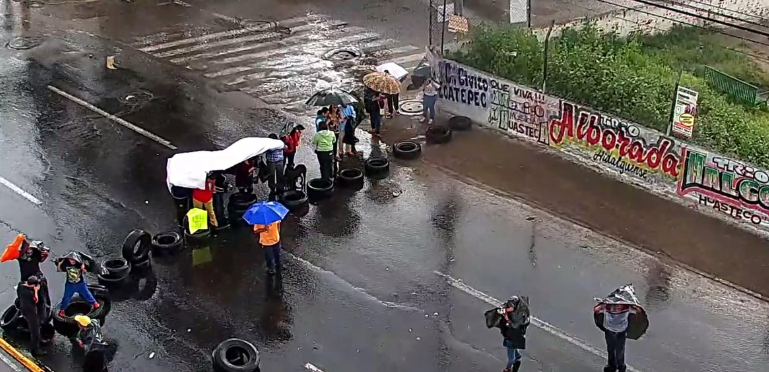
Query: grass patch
x,y
634,78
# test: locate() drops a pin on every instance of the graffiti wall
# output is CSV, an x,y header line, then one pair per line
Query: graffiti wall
x,y
510,108
709,182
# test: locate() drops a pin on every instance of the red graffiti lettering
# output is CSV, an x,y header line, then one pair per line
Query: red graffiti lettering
x,y
656,156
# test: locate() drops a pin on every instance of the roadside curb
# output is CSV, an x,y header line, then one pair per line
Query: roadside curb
x,y
26,362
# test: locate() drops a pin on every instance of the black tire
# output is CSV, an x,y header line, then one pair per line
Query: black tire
x,y
242,200
438,134
143,265
318,188
460,123
235,355
136,246
10,318
198,235
115,268
66,325
113,281
407,150
351,177
294,199
98,290
377,168
167,243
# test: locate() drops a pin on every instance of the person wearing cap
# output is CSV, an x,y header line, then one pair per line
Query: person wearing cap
x,y
75,283
90,339
33,309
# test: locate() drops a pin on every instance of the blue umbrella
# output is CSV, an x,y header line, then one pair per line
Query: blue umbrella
x,y
265,213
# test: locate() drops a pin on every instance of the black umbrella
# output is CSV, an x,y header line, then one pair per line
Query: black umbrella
x,y
330,97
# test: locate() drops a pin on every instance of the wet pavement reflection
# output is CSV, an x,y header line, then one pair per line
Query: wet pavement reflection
x,y
361,289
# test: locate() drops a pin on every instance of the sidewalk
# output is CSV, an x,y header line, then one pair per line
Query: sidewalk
x,y
590,199
8,364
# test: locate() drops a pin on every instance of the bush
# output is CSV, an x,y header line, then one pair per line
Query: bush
x,y
633,78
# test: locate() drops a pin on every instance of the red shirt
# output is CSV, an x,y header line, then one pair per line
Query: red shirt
x,y
204,196
292,142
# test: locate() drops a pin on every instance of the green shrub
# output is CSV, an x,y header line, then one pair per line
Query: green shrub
x,y
633,78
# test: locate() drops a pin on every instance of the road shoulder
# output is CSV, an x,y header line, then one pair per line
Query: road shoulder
x,y
601,203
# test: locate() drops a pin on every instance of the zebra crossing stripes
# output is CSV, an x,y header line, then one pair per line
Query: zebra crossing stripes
x,y
281,62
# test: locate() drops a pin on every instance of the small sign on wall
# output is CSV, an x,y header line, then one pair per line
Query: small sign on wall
x,y
685,112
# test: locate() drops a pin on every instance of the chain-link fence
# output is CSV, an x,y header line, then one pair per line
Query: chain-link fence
x,y
439,13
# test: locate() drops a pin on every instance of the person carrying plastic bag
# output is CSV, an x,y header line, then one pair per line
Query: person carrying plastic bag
x,y
620,317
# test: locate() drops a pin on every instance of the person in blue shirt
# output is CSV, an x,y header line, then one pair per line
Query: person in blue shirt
x,y
275,164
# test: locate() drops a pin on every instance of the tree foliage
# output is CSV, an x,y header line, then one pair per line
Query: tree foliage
x,y
633,78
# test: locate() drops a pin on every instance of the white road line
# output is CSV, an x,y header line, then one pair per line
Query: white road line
x,y
9,363
296,38
112,117
312,368
223,34
237,40
19,191
539,323
300,49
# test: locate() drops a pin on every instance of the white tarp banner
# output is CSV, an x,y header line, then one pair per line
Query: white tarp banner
x,y
189,169
519,11
394,69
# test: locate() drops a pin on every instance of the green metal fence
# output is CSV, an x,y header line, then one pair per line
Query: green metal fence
x,y
734,87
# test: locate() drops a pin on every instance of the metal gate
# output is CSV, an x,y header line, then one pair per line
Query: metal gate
x,y
438,21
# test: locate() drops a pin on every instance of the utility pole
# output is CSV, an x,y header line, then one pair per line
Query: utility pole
x,y
459,7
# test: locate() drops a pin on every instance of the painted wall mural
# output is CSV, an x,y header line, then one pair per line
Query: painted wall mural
x,y
712,183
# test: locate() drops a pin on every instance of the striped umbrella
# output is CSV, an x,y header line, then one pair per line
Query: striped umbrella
x,y
330,97
382,82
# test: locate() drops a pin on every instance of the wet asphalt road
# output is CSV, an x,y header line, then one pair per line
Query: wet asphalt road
x,y
363,288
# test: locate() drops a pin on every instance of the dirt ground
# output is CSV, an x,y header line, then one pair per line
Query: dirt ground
x,y
599,202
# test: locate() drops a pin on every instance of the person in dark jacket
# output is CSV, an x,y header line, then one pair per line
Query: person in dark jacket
x,y
34,311
90,339
513,326
32,254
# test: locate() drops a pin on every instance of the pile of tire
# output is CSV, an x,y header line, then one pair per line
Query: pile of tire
x,y
66,325
235,355
377,168
13,321
237,206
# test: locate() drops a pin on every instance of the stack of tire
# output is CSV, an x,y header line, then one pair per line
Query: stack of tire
x,y
238,205
235,355
66,325
13,321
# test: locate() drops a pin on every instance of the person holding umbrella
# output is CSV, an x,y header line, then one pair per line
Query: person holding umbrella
x,y
266,218
382,83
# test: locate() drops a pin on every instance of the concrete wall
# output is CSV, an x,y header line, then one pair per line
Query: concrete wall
x,y
714,184
629,16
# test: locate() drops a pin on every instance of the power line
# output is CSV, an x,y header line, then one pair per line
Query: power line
x,y
685,23
728,10
718,14
739,27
